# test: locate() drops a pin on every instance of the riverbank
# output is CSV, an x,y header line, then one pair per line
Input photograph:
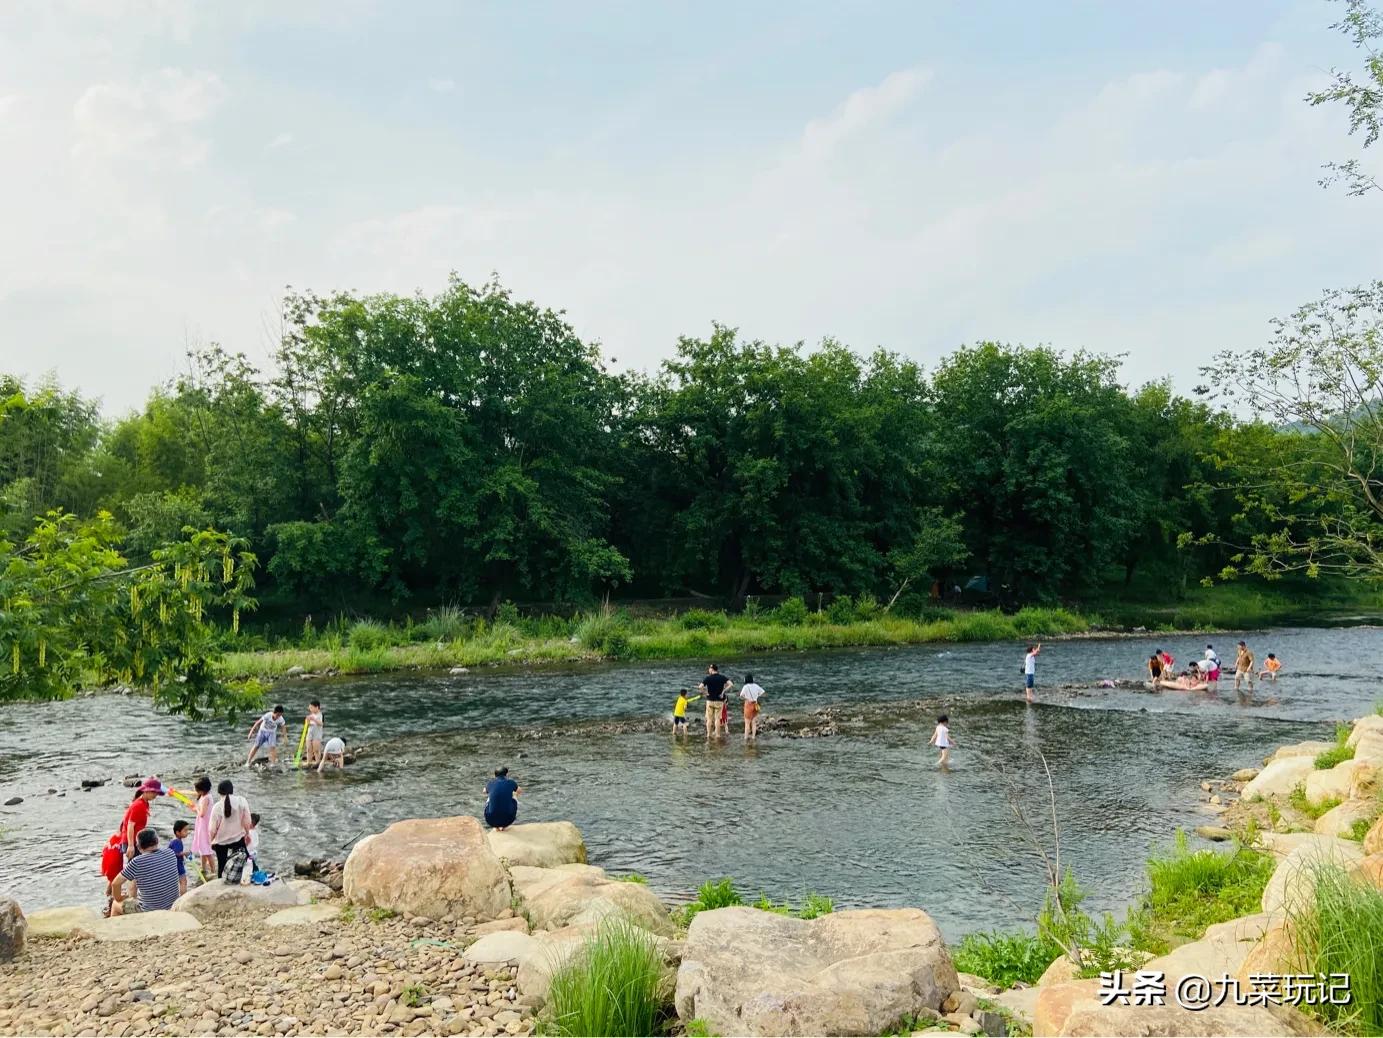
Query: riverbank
x,y
448,638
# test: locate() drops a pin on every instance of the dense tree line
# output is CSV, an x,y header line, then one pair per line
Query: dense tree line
x,y
470,447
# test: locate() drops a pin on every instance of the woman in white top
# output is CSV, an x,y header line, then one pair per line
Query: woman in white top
x,y
751,694
230,822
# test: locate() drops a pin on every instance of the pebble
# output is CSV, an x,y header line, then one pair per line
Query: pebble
x,y
333,972
14,800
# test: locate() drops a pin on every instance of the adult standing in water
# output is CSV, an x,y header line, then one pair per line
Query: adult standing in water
x,y
1030,669
715,685
501,807
751,693
1243,666
230,824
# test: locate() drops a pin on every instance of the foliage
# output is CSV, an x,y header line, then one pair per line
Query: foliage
x,y
614,984
937,544
1094,946
1297,798
633,877
1338,753
702,620
791,612
413,995
1363,98
75,611
379,914
1190,890
697,1028
720,893
1005,958
1359,829
814,905
1339,930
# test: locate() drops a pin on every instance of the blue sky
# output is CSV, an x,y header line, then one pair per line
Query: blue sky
x,y
1127,178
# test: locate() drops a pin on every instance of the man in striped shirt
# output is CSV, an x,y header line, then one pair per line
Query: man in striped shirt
x,y
153,871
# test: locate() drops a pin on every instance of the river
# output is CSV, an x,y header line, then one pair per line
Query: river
x,y
863,816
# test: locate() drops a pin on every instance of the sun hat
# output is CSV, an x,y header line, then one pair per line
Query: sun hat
x,y
152,785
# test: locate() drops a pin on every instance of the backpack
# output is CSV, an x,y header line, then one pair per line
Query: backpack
x,y
235,867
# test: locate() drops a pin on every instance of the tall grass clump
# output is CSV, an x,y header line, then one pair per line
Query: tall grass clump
x,y
719,893
1031,621
1005,958
1297,798
613,985
1339,929
366,635
990,626
446,623
792,612
1190,890
1337,754
702,620
607,634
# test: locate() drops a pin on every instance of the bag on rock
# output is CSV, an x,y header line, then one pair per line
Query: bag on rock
x,y
235,867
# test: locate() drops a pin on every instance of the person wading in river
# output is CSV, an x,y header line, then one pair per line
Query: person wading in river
x,y
1030,669
715,685
1243,666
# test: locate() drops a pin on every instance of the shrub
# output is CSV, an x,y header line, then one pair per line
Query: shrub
x,y
982,627
1035,620
867,607
1339,930
791,613
1063,923
367,635
1359,830
507,613
607,634
1190,890
445,624
1297,798
1338,753
841,610
702,620
720,893
613,985
816,905
1005,958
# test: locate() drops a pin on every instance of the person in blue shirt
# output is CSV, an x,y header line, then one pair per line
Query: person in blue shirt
x,y
176,846
500,806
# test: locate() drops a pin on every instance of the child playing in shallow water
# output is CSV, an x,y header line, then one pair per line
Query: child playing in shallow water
x,y
941,739
1271,666
679,712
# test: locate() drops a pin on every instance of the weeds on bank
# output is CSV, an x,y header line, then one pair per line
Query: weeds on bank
x,y
1297,798
1191,890
698,1028
1338,753
1340,930
712,894
1359,829
379,915
413,995
633,877
1005,958
615,984
347,915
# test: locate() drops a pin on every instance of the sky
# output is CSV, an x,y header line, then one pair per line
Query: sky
x,y
1136,179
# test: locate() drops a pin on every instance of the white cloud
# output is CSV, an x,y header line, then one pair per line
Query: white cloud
x,y
866,107
441,84
150,119
280,140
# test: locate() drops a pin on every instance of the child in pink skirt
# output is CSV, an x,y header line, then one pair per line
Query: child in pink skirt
x,y
201,832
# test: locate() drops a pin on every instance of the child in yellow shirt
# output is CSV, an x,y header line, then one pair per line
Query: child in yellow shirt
x,y
679,712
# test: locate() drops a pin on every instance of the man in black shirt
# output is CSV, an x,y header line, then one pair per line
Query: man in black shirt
x,y
716,686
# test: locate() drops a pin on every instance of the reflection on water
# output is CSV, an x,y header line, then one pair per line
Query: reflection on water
x,y
864,816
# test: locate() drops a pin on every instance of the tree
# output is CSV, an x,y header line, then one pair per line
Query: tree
x,y
45,437
1315,489
73,611
1363,97
938,542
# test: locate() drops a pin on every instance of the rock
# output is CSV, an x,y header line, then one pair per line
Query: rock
x,y
13,928
1216,833
1273,953
1020,1003
459,670
1311,748
295,671
500,947
1244,775
310,890
961,1002
856,972
1220,952
334,972
141,925
1061,971
212,901
1373,839
1281,776
429,866
543,845
1294,880
88,784
575,894
1364,727
1167,1021
244,957
61,922
515,924
549,953
1332,783
319,913
1369,869
12,801
1369,748
1055,1002
1340,819
1282,844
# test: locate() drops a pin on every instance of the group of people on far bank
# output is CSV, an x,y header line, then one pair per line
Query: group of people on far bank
x,y
715,688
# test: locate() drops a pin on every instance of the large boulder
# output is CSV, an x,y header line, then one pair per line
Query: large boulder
x,y
431,867
575,894
551,950
218,900
1273,954
1279,845
1368,869
1311,748
1056,1001
1369,748
1279,777
61,922
1332,783
748,972
500,947
1373,840
1220,952
13,929
141,926
543,845
1166,1021
1340,819
1364,727
1061,971
1293,882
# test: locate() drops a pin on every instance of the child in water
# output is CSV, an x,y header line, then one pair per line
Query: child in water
x,y
1271,666
679,712
334,752
941,739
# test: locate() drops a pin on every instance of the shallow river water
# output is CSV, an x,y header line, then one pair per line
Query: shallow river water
x,y
863,816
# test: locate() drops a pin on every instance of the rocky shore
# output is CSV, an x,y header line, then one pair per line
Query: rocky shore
x,y
436,927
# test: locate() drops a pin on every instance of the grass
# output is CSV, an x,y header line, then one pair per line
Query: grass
x,y
1297,798
712,894
816,905
614,984
379,915
1359,829
698,1028
347,915
1338,753
1340,931
1005,958
1190,890
413,995
633,877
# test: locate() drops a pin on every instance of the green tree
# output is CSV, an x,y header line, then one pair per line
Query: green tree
x,y
1361,94
72,610
45,438
939,542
